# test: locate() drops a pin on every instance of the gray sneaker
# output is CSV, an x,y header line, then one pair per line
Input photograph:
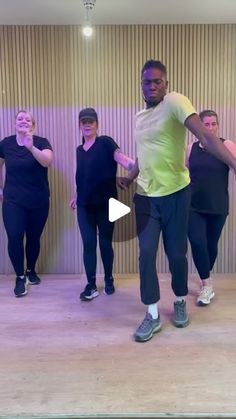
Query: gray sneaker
x,y
147,328
180,314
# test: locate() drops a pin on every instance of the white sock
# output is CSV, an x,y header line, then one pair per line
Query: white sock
x,y
179,298
153,310
21,277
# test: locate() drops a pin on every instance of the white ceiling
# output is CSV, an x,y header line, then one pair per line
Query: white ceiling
x,y
65,12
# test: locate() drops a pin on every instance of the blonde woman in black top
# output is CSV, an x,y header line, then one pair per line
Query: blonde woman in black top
x,y
25,196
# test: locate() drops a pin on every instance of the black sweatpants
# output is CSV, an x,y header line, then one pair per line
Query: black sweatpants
x,y
168,214
93,220
23,222
204,233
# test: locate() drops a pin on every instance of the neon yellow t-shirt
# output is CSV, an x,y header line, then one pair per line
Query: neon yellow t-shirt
x,y
160,136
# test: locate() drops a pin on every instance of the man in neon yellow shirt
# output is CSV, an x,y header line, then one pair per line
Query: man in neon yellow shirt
x,y
163,194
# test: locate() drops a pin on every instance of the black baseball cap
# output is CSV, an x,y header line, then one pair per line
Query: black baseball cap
x,y
88,113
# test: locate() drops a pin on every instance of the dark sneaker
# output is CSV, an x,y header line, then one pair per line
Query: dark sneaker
x,y
180,314
20,287
32,277
89,293
109,287
147,328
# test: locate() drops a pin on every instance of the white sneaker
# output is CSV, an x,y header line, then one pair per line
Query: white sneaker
x,y
205,296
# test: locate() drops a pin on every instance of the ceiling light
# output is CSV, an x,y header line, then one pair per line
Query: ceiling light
x,y
87,28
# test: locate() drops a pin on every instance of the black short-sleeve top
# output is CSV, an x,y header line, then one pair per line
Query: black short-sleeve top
x,y
209,182
96,172
26,180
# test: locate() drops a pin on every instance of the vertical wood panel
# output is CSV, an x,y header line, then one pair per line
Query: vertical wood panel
x,y
54,72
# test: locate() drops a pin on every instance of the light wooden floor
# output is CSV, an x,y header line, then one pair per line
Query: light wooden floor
x,y
60,357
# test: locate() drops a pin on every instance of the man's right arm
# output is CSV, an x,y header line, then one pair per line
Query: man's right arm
x,y
188,152
209,141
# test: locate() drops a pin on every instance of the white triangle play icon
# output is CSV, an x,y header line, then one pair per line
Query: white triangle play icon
x,y
117,209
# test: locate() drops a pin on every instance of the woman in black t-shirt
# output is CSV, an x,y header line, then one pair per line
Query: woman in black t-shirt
x,y
209,205
97,160
25,197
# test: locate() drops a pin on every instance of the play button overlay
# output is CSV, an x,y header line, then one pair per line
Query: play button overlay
x,y
117,210
125,228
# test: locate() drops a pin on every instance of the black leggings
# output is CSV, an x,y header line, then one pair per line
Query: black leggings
x,y
90,220
20,222
204,233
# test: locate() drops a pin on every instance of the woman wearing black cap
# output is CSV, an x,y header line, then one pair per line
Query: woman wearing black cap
x,y
97,160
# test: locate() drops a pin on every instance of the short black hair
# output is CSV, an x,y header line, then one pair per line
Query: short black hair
x,y
154,64
208,112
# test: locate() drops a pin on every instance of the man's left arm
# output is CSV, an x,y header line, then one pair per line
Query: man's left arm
x,y
231,146
209,141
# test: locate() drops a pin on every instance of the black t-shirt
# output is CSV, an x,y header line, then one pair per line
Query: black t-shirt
x,y
96,172
26,181
209,182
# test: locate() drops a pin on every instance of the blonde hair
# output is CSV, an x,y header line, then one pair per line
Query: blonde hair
x,y
31,116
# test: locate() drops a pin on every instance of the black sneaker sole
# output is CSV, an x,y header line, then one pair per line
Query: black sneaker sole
x,y
181,325
139,339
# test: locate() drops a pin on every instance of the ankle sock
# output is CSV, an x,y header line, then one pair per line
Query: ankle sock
x,y
153,310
